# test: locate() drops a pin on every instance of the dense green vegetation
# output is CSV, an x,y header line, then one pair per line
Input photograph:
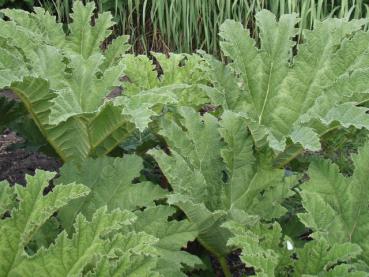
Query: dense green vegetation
x,y
266,154
185,26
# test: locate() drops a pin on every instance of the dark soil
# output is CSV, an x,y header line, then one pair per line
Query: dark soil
x,y
235,265
9,94
16,163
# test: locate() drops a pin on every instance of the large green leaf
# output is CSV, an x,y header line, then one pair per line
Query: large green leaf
x,y
89,249
96,247
64,80
318,258
271,254
12,67
140,108
34,210
174,69
172,237
32,29
128,265
111,183
85,39
337,206
215,175
262,247
70,138
297,96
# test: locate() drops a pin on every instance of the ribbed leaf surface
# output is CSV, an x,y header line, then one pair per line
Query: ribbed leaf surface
x,y
111,184
337,206
317,258
264,247
298,95
33,211
213,171
72,256
173,236
64,80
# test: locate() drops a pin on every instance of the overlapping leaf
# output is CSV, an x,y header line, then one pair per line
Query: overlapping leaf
x,y
111,184
262,247
270,254
175,69
214,180
318,258
337,206
110,181
73,256
33,211
95,247
298,96
172,237
64,80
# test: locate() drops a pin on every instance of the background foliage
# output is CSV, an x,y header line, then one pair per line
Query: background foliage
x,y
184,26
